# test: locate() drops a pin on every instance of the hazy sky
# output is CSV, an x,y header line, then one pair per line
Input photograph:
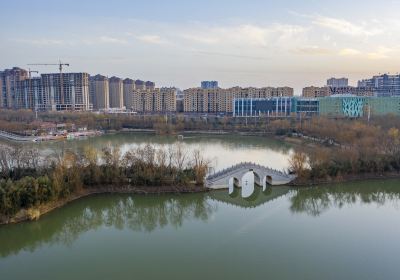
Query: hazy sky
x,y
179,43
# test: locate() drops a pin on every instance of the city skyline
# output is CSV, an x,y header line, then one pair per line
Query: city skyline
x,y
240,43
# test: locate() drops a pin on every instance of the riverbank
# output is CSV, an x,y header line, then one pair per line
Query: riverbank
x,y
69,135
345,179
191,132
36,212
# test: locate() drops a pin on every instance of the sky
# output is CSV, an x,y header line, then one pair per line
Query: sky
x,y
259,43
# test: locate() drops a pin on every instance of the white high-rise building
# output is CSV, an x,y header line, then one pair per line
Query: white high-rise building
x,y
116,93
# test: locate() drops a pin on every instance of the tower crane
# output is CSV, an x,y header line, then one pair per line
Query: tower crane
x,y
32,71
60,67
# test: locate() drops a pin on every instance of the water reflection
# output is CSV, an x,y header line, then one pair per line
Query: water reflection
x,y
150,213
258,198
223,150
317,200
144,213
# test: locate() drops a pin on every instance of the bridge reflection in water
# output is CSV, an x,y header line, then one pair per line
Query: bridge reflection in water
x,y
259,197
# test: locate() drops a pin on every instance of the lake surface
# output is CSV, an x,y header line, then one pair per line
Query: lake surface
x,y
348,231
222,150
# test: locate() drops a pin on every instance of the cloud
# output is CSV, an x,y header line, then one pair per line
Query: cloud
x,y
70,42
112,40
201,39
39,42
380,53
313,50
349,52
152,39
207,53
261,36
346,27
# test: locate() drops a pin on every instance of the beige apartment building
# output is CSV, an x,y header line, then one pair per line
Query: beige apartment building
x,y
313,92
154,100
357,91
128,88
99,92
218,100
116,92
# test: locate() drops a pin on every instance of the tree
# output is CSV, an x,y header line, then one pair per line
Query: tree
x,y
298,164
200,166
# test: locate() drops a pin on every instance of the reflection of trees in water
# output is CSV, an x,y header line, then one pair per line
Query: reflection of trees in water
x,y
143,214
315,201
229,141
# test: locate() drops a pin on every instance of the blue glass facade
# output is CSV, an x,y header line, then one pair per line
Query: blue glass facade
x,y
209,84
254,107
306,106
334,106
384,85
277,106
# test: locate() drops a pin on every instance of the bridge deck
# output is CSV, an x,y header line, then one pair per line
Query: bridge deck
x,y
220,179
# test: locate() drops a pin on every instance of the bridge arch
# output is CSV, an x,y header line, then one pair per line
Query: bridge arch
x,y
249,180
267,181
232,184
257,177
261,175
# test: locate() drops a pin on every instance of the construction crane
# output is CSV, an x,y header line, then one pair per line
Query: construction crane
x,y
60,67
32,71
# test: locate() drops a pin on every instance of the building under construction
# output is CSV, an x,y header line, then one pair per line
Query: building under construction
x,y
9,83
66,91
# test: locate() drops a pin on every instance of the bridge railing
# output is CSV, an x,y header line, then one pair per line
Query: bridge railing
x,y
249,165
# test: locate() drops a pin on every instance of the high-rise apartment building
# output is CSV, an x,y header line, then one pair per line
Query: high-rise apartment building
x,y
209,84
140,85
356,91
116,92
150,85
156,100
29,95
128,88
383,85
220,100
9,80
334,82
68,91
99,92
312,92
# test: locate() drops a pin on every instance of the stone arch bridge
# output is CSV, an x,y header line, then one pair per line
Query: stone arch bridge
x,y
238,175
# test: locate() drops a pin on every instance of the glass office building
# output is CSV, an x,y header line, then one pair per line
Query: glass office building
x,y
254,107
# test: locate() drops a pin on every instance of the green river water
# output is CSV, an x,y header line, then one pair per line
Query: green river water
x,y
345,231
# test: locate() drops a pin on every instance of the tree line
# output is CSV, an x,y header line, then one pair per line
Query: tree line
x,y
363,148
27,180
24,121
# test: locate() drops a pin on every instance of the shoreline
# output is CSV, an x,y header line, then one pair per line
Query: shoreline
x,y
33,214
149,131
346,179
